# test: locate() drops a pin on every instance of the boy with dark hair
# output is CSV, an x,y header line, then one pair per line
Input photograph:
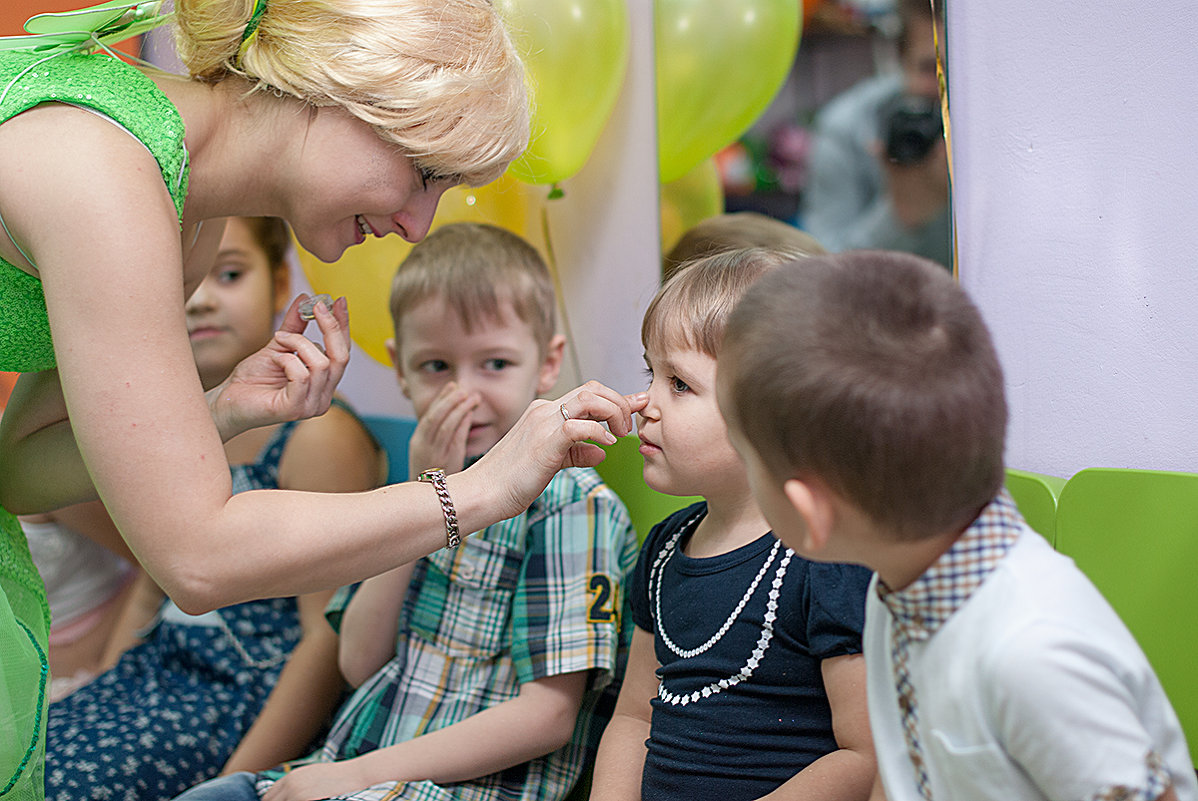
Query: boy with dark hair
x,y
866,398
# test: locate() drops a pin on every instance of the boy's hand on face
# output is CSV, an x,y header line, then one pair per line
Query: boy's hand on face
x,y
441,433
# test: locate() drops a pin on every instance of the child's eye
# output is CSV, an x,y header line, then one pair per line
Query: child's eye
x,y
229,275
433,366
496,364
648,373
678,385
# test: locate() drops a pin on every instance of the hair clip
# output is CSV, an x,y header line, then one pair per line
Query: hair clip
x,y
250,34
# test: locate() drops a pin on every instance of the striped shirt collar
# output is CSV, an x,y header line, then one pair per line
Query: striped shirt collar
x,y
922,607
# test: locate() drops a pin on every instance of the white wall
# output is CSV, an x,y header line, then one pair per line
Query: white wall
x,y
607,239
1076,194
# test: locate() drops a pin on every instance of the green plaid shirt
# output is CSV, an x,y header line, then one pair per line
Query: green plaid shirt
x,y
535,596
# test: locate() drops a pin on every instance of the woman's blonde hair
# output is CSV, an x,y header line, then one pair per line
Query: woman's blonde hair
x,y
439,78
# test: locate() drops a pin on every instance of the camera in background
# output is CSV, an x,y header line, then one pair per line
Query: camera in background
x,y
911,124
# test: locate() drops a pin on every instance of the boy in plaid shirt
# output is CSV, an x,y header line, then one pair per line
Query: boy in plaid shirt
x,y
486,671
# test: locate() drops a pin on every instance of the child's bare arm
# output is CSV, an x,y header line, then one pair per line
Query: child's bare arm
x,y
536,722
302,699
621,759
370,625
143,602
847,773
92,520
37,441
330,453
877,793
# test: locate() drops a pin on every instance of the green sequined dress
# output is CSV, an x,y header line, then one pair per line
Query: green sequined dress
x,y
126,96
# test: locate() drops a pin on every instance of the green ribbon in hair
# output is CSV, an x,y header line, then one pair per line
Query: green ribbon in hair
x,y
251,29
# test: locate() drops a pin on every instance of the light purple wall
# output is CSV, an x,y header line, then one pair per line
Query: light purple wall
x,y
1075,134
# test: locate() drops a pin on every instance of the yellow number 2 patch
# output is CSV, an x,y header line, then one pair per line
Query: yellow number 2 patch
x,y
603,599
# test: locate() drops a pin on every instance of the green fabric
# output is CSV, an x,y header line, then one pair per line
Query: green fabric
x,y
24,628
128,97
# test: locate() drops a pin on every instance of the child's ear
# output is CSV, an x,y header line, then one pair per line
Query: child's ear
x,y
815,504
552,366
394,356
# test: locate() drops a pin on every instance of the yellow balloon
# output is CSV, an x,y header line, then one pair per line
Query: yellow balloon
x,y
363,274
575,55
689,200
718,65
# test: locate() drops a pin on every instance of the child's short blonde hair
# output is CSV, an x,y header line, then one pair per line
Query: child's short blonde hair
x,y
873,372
692,307
473,267
439,78
739,229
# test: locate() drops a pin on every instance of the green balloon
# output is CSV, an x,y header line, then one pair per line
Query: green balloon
x,y
719,63
575,55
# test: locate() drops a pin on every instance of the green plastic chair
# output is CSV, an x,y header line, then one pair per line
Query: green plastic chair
x,y
622,470
1036,495
1135,534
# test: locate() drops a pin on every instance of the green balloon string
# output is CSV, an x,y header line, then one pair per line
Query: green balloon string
x,y
555,273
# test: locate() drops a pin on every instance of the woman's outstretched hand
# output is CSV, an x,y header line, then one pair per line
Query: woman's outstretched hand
x,y
544,440
292,378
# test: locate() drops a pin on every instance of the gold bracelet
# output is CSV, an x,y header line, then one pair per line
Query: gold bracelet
x,y
436,477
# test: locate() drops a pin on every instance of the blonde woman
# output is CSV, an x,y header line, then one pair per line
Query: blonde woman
x,y
348,118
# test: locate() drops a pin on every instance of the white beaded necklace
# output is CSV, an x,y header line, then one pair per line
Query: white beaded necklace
x,y
763,642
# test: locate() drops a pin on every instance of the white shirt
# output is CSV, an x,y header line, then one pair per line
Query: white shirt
x,y
1032,689
80,575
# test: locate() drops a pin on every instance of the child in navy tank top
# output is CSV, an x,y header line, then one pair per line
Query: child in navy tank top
x,y
745,675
